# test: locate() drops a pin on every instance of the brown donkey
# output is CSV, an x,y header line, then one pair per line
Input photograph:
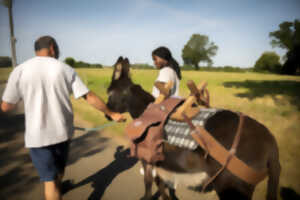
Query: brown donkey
x,y
257,147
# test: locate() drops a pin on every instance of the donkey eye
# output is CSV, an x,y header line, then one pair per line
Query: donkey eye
x,y
110,93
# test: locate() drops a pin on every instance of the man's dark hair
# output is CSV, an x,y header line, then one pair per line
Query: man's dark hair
x,y
46,42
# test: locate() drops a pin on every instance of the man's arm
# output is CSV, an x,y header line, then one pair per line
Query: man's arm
x,y
99,104
11,95
6,107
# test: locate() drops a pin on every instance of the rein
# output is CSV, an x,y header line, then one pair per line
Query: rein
x,y
97,128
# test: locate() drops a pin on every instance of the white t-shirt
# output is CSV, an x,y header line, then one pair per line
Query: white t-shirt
x,y
45,84
165,75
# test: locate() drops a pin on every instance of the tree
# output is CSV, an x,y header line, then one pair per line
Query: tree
x,y
80,64
288,37
5,61
198,49
8,4
70,61
268,61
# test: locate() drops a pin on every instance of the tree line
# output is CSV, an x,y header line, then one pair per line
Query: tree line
x,y
200,49
80,64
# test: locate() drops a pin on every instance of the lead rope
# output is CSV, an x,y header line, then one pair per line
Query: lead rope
x,y
97,128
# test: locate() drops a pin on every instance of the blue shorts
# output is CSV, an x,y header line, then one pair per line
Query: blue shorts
x,y
50,161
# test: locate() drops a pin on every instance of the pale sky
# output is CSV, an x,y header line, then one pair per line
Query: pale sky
x,y
100,31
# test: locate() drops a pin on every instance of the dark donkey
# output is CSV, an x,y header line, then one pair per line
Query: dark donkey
x,y
257,147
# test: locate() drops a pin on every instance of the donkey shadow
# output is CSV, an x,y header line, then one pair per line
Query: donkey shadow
x,y
103,178
289,194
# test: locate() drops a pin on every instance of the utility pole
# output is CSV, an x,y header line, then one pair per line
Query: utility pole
x,y
12,35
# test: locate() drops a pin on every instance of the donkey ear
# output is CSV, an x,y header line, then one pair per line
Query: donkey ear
x,y
126,61
126,66
118,68
120,59
118,71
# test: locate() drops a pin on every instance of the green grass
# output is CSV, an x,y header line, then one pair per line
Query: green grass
x,y
4,72
271,99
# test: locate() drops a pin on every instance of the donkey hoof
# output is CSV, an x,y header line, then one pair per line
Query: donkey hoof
x,y
146,198
149,198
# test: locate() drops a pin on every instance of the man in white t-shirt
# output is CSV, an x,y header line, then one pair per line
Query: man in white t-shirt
x,y
45,85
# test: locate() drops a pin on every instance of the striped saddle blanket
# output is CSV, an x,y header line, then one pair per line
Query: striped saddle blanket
x,y
178,133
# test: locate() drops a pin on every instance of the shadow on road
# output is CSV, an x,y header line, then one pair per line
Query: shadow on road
x,y
104,177
86,145
17,174
15,163
288,194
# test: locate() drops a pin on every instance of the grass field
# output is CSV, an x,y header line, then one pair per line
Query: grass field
x,y
271,99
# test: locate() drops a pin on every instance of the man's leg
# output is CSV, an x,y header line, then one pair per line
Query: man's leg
x,y
52,191
50,162
58,181
61,154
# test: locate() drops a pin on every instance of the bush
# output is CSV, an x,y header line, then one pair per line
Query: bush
x,y
5,61
268,61
141,66
216,69
80,64
96,66
70,61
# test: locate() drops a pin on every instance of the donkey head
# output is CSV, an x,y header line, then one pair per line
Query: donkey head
x,y
119,87
123,94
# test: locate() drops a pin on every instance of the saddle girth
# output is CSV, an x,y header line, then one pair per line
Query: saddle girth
x,y
226,158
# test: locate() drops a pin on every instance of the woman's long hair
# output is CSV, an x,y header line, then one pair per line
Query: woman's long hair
x,y
164,53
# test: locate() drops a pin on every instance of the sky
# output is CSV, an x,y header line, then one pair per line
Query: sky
x,y
98,31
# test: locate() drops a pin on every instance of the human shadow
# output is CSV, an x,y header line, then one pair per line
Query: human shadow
x,y
11,129
16,175
86,145
273,88
289,194
104,177
16,170
13,123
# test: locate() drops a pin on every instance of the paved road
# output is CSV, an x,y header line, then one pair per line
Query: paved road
x,y
98,166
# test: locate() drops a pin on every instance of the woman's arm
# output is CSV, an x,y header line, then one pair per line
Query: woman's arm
x,y
161,86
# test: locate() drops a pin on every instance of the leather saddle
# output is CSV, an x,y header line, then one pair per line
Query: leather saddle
x,y
146,132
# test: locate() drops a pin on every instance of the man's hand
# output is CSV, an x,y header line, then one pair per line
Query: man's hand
x,y
6,107
117,117
99,104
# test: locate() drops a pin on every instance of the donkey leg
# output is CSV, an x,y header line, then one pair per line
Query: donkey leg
x,y
148,180
172,194
274,169
162,188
